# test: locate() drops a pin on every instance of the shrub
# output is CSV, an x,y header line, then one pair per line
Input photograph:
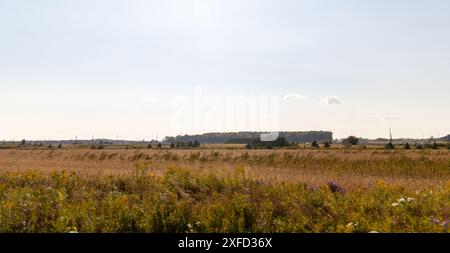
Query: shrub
x,y
351,140
314,144
389,146
327,145
159,145
149,146
407,146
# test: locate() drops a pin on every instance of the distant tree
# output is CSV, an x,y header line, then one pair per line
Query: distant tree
x,y
326,145
435,145
177,145
50,146
190,144
248,146
196,144
159,146
314,144
23,142
172,145
60,146
407,146
351,140
448,145
149,146
100,146
419,146
40,144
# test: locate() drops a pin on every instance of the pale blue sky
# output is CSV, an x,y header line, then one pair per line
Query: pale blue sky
x,y
108,67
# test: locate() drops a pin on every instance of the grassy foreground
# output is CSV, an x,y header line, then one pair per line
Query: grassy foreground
x,y
179,199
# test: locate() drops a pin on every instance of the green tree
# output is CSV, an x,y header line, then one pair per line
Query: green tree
x,y
351,140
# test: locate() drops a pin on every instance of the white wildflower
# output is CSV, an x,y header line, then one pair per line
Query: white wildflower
x,y
401,200
350,224
395,204
374,232
410,199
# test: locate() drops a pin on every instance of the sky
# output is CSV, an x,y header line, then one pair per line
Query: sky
x,y
135,69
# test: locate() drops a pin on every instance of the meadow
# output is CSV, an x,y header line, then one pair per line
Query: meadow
x,y
224,189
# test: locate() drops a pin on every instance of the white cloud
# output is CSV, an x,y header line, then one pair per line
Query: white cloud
x,y
291,96
330,100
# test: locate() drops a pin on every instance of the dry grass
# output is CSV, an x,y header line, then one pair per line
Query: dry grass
x,y
351,168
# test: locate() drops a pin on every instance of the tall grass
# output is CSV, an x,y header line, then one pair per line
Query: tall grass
x,y
186,200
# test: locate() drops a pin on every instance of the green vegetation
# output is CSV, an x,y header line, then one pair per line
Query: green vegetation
x,y
258,144
182,200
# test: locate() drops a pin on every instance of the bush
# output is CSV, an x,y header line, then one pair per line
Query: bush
x,y
327,145
407,146
159,145
351,140
389,146
314,144
149,146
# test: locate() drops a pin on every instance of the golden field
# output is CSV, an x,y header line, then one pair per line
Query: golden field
x,y
224,189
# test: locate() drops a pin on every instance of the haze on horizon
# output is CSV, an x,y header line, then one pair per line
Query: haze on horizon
x,y
114,68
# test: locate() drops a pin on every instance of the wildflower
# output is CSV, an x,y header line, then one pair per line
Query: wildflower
x,y
189,225
410,199
374,232
401,200
395,204
436,221
73,232
351,224
197,223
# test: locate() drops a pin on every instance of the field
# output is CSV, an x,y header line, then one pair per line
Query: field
x,y
224,189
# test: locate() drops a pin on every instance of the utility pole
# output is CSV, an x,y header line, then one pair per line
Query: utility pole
x,y
390,135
